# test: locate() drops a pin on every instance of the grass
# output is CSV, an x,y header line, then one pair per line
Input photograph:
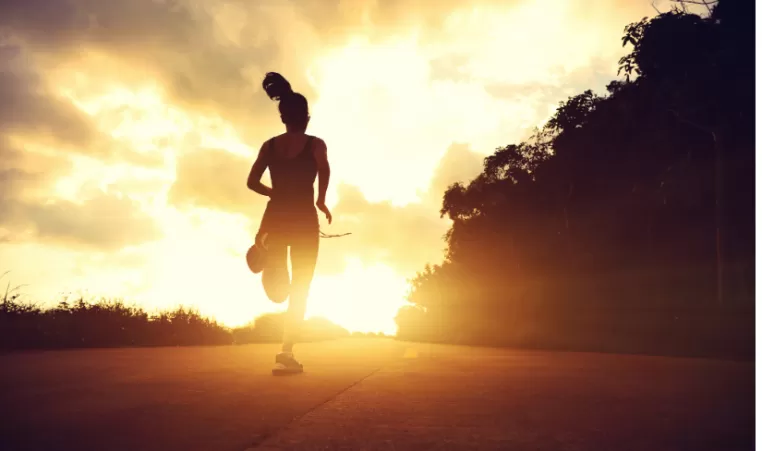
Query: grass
x,y
108,322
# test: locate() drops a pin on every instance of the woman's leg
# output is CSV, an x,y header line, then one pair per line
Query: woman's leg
x,y
275,273
304,252
275,277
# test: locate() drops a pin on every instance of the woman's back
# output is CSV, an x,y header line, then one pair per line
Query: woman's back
x,y
293,171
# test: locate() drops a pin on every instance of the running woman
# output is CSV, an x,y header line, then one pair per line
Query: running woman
x,y
290,222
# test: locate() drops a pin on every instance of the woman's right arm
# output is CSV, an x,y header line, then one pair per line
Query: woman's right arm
x,y
254,182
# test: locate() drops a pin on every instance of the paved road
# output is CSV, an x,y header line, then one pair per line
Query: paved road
x,y
372,394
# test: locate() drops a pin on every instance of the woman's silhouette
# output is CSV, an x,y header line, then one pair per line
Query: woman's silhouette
x,y
290,220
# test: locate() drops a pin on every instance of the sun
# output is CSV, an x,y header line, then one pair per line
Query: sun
x,y
364,298
360,88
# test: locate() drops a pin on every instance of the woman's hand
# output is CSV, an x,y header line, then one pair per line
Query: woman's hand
x,y
260,239
321,206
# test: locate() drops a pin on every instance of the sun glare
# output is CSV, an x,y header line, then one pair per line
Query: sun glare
x,y
359,85
389,102
200,260
362,299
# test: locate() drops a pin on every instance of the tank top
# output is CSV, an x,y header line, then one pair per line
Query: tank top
x,y
292,203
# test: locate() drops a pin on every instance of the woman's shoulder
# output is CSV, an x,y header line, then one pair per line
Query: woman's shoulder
x,y
317,141
276,138
269,143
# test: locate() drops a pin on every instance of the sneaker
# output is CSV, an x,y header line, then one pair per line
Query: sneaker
x,y
285,363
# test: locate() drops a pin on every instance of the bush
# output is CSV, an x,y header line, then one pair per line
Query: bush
x,y
112,323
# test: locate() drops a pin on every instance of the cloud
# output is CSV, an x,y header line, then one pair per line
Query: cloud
x,y
128,258
29,109
211,55
103,222
181,44
41,134
27,174
215,179
459,164
405,238
29,212
381,18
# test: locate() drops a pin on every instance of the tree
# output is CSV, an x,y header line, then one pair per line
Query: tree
x,y
645,178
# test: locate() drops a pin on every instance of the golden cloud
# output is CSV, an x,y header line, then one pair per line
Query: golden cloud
x,y
405,238
40,133
29,109
103,222
215,179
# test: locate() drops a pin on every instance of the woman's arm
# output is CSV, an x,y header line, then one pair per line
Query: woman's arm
x,y
254,182
324,176
324,169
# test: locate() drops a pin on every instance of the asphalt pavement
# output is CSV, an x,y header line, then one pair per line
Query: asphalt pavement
x,y
362,394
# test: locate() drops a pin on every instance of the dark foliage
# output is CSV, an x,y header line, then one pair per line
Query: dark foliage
x,y
106,323
111,323
627,222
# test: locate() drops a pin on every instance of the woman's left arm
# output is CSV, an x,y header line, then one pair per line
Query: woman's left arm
x,y
324,176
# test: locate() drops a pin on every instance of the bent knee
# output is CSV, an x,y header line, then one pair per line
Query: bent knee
x,y
276,285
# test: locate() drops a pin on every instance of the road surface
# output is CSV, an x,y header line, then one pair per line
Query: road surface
x,y
372,394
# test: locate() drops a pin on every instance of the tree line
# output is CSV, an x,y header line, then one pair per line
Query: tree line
x,y
624,223
105,323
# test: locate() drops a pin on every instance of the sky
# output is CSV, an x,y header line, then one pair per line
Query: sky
x,y
128,128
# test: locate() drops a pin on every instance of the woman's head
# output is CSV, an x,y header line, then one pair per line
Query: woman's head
x,y
293,107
